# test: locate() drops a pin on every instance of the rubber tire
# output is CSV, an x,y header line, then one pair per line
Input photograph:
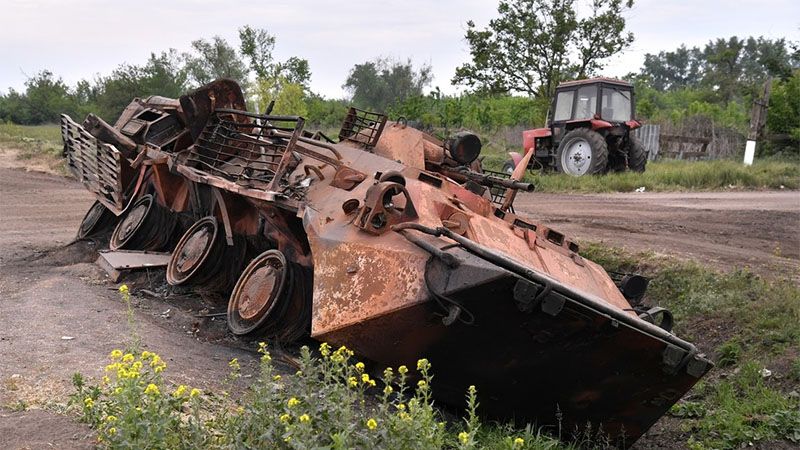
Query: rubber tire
x,y
597,144
637,155
508,167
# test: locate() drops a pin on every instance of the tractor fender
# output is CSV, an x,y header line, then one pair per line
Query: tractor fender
x,y
516,157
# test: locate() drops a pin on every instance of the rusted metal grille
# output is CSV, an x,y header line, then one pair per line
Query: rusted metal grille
x,y
94,163
362,127
498,193
244,148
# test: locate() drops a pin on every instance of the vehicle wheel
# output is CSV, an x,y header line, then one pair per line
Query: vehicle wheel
x,y
508,167
271,299
637,155
202,257
97,220
197,254
582,152
145,226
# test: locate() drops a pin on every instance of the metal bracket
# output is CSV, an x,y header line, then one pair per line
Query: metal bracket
x,y
223,210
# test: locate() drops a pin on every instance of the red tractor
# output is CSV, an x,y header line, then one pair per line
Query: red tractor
x,y
589,131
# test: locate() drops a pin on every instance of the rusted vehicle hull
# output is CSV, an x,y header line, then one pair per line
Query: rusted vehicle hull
x,y
388,242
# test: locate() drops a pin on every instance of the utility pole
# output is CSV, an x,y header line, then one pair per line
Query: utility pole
x,y
758,119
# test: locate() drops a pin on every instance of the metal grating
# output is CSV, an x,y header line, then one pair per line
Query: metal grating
x,y
498,193
362,127
245,148
94,163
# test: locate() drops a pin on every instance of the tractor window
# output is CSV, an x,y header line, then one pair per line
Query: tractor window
x,y
586,106
564,105
616,105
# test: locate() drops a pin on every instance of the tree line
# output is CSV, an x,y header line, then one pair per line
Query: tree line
x,y
516,62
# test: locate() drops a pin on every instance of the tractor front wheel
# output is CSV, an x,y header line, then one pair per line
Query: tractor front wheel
x,y
582,152
508,167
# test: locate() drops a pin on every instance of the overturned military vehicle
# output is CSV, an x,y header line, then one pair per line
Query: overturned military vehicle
x,y
388,241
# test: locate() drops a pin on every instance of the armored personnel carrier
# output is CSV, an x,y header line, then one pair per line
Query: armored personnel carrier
x,y
386,240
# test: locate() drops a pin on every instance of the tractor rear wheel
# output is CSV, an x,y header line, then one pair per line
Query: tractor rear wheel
x,y
582,152
508,167
637,155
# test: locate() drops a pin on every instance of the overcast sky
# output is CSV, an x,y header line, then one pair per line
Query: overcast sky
x,y
81,38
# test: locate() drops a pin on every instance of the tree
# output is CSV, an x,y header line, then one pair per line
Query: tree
x,y
163,74
674,70
215,59
382,83
257,45
533,44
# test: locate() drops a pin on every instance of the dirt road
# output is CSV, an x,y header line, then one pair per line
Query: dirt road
x,y
759,230
59,314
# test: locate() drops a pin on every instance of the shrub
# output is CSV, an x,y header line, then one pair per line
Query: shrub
x,y
331,402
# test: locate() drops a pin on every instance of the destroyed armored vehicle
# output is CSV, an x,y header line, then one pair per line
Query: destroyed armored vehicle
x,y
389,241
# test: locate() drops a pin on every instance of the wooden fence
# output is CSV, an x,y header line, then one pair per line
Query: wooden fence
x,y
695,138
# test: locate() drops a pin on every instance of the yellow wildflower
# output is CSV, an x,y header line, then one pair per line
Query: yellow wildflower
x,y
118,391
304,418
364,378
422,364
519,442
234,364
88,402
180,391
401,407
156,360
372,424
152,389
285,418
112,431
360,366
403,370
325,349
422,384
463,437
111,419
194,393
136,366
128,358
388,390
388,373
105,379
146,355
112,367
352,382
124,289
262,347
292,402
276,378
116,354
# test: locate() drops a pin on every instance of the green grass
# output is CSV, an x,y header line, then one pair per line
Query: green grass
x,y
671,175
38,145
747,323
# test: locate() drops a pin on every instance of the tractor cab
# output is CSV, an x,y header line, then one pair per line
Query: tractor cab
x,y
588,130
595,99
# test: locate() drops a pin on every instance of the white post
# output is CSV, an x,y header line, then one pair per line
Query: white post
x,y
749,152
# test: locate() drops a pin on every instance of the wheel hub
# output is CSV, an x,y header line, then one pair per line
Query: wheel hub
x,y
577,157
259,297
192,252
